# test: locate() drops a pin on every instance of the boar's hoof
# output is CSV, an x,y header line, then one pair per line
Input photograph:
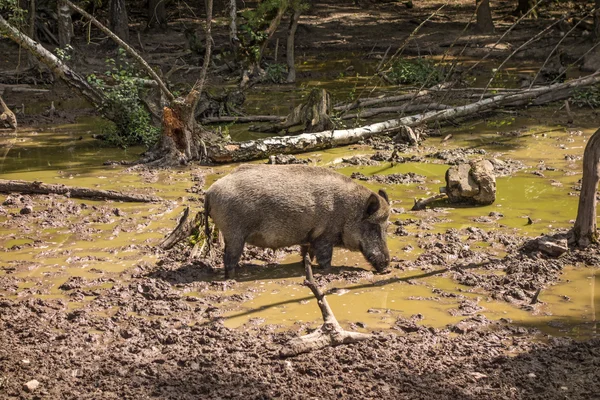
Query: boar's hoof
x,y
230,273
383,271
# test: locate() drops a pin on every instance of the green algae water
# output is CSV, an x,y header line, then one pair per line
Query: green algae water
x,y
39,255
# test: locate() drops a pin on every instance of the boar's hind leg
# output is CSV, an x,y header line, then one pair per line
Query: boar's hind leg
x,y
323,250
233,253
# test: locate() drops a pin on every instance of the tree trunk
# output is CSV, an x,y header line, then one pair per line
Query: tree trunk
x,y
485,24
119,24
31,13
585,225
6,115
65,24
24,187
157,14
523,6
233,37
591,62
597,22
291,78
70,77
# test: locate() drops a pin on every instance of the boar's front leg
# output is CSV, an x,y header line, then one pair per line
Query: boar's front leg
x,y
323,250
233,252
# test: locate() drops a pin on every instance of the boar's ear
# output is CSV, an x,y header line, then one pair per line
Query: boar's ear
x,y
372,205
383,194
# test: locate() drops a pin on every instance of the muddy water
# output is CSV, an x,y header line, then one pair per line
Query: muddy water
x,y
37,257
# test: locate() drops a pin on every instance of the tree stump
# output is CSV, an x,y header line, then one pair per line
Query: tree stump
x,y
7,116
313,115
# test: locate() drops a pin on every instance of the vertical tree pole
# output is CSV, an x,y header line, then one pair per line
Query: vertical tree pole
x,y
485,24
65,24
523,6
585,225
157,14
283,6
597,21
290,58
119,24
233,37
591,62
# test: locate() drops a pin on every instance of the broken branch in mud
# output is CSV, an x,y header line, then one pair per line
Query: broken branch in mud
x,y
24,187
263,148
420,204
183,230
329,334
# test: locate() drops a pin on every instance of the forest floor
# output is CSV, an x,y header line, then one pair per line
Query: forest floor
x,y
141,335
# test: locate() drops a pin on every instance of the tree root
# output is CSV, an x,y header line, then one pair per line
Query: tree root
x,y
329,334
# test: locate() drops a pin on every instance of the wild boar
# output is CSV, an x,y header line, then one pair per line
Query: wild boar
x,y
277,206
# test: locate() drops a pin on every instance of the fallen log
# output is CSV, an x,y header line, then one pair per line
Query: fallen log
x,y
306,142
421,204
330,333
24,187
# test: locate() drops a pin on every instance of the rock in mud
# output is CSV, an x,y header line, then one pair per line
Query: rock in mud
x,y
31,385
287,159
470,324
360,160
26,210
471,183
391,179
553,248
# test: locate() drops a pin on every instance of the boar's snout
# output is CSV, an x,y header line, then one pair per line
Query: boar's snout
x,y
378,258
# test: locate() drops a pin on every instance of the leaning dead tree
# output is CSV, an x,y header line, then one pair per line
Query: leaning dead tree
x,y
584,231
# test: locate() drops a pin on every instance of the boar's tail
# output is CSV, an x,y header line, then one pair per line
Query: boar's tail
x,y
206,226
